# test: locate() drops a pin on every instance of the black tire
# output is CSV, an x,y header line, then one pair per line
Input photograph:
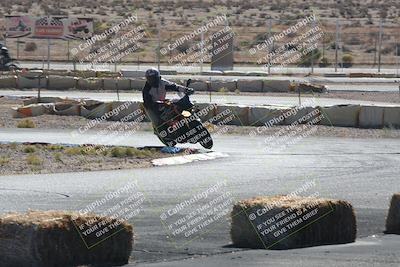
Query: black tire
x,y
206,140
13,67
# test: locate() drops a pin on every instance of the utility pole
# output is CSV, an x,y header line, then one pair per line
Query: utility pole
x,y
336,45
380,46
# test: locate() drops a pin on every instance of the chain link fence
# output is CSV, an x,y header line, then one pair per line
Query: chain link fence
x,y
346,44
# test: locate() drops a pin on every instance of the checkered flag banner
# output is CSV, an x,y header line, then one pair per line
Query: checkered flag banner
x,y
48,21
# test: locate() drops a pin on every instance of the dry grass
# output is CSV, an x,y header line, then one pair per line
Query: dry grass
x,y
333,223
393,218
51,238
121,152
26,124
34,160
29,149
4,160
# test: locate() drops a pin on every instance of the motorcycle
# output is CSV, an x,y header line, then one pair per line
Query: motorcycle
x,y
180,123
9,65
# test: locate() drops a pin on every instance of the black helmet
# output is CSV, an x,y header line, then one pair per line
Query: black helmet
x,y
153,76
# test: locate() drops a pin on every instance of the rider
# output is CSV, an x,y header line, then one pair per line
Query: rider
x,y
155,91
4,55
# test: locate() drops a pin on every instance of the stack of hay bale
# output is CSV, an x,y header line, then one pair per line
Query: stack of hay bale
x,y
286,222
52,238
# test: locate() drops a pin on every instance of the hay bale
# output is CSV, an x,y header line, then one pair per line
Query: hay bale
x,y
393,218
52,238
284,222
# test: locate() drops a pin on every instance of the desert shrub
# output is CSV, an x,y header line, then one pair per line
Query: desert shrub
x,y
30,47
34,160
4,160
29,149
223,90
118,152
347,60
312,56
26,124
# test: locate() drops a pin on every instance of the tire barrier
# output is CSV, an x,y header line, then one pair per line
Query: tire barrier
x,y
95,111
36,239
67,109
393,218
340,115
311,88
287,222
371,117
32,110
44,99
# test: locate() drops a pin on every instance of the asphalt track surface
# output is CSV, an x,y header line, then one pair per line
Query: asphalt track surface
x,y
246,100
362,171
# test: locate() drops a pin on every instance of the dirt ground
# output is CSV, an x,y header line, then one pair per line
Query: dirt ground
x,y
46,158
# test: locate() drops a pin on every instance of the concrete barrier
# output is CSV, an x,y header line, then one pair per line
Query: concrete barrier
x,y
111,84
231,115
234,73
199,86
340,115
371,117
8,82
217,86
128,111
133,73
90,84
276,86
206,111
137,84
391,117
62,82
270,116
287,222
28,83
393,218
55,238
257,73
302,115
250,85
